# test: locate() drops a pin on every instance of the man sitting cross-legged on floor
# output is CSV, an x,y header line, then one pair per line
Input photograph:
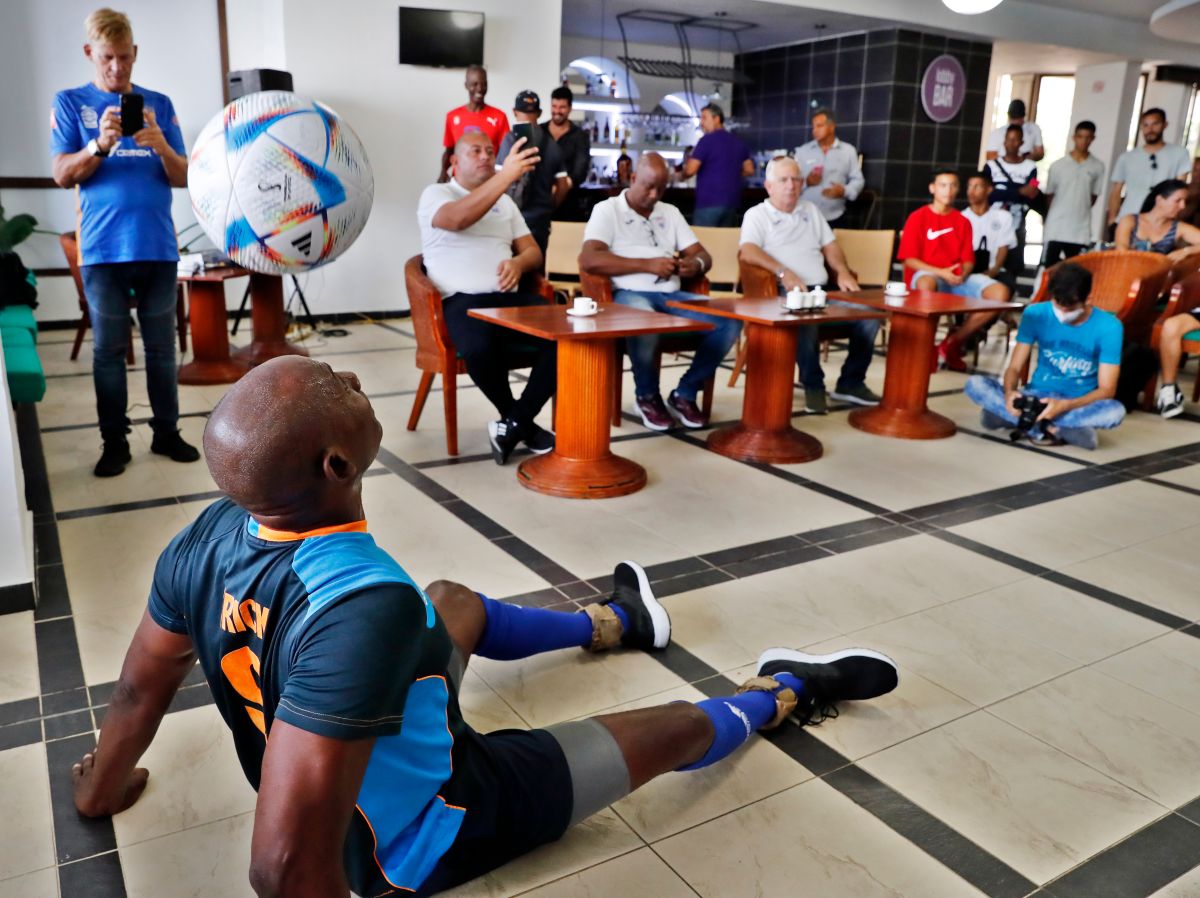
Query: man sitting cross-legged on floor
x,y
476,248
1079,361
646,246
311,635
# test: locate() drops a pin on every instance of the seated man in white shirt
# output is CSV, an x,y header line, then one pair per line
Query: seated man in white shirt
x,y
789,236
476,247
992,230
646,246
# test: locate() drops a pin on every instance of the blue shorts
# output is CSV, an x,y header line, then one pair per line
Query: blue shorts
x,y
972,287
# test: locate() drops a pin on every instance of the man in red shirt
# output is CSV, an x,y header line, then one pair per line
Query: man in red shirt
x,y
938,252
476,115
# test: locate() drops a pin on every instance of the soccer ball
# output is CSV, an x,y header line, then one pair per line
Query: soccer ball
x,y
279,183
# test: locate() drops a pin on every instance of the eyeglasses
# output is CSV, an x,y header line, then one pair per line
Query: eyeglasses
x,y
1154,161
650,227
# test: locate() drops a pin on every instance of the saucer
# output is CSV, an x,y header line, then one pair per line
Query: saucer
x,y
581,314
895,295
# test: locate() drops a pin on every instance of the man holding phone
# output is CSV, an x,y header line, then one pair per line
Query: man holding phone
x,y
539,192
120,147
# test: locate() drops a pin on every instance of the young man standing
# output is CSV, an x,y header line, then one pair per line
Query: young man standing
x,y
938,252
1031,135
1137,171
1079,360
476,115
127,246
1015,180
1073,184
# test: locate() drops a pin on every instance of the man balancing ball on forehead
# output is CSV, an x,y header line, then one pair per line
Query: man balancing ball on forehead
x,y
312,635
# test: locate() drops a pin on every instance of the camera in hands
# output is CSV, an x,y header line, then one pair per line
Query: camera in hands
x,y
1029,407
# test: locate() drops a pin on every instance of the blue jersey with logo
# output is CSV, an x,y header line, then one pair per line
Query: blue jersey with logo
x,y
1070,356
325,631
126,203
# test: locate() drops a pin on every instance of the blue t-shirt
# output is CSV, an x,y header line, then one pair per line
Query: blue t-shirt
x,y
126,203
325,631
719,180
1070,356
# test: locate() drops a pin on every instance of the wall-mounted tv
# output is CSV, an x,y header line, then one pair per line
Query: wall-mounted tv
x,y
442,38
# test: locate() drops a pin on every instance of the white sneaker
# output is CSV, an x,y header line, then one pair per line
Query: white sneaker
x,y
1170,401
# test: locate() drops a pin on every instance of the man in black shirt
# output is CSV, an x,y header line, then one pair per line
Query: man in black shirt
x,y
573,142
539,192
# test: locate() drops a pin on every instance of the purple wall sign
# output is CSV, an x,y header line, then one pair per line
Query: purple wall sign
x,y
943,89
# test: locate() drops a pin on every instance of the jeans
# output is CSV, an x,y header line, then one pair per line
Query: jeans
x,y
858,358
988,394
972,287
715,217
110,289
714,344
487,349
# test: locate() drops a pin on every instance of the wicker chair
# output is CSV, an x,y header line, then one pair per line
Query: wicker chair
x,y
599,287
1185,295
435,350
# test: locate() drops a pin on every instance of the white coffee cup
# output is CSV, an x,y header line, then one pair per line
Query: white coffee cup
x,y
584,306
895,288
794,299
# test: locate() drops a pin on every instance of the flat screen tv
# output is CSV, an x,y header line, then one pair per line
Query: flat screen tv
x,y
441,38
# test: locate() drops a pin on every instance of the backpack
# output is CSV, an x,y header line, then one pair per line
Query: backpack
x,y
18,285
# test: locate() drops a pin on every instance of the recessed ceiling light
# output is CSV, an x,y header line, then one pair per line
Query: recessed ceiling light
x,y
970,7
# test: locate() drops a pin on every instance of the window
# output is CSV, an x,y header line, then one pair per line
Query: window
x,y
1138,99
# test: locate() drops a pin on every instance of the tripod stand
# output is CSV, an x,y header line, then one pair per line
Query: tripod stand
x,y
296,292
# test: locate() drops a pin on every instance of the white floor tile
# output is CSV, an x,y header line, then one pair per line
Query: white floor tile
x,y
28,842
18,658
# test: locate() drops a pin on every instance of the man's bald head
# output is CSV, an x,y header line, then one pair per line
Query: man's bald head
x,y
289,436
473,160
650,179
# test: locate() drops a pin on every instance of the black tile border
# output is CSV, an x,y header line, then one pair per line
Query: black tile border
x,y
96,877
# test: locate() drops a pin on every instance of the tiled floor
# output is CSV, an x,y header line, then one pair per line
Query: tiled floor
x,y
1045,737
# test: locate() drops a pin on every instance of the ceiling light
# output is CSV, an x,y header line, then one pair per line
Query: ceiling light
x,y
970,7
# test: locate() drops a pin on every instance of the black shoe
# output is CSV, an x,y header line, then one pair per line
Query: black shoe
x,y
649,624
173,447
113,459
849,675
538,440
504,436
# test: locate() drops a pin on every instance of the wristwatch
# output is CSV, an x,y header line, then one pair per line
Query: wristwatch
x,y
93,147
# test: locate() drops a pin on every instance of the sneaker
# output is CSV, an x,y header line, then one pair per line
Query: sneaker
x,y
504,436
816,402
654,412
950,357
1170,401
992,421
860,395
172,445
686,410
649,624
1044,438
113,459
849,675
538,440
1083,437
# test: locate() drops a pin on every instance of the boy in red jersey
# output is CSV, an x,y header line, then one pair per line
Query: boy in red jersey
x,y
938,252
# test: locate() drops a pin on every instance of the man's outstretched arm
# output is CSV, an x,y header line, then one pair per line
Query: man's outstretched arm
x,y
306,798
107,780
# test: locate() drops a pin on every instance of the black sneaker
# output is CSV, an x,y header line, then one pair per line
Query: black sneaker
x,y
649,624
848,675
686,411
538,440
113,459
504,436
173,447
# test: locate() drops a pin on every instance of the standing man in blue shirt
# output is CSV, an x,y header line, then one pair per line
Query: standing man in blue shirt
x,y
719,163
1078,363
127,246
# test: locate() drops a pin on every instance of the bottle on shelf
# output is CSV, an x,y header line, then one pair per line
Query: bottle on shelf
x,y
624,167
612,85
607,134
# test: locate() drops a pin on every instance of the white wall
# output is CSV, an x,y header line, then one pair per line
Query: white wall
x,y
349,61
41,53
255,32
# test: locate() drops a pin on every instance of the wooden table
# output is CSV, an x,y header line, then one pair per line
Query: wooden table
x,y
903,412
211,362
582,466
765,433
268,322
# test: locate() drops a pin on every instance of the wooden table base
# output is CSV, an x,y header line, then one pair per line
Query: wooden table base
x,y
765,433
903,412
582,466
268,323
211,362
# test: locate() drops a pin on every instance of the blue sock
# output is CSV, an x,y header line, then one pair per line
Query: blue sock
x,y
736,717
513,631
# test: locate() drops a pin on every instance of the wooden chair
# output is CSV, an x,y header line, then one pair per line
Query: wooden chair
x,y
599,287
70,247
868,253
722,245
562,256
1185,296
435,350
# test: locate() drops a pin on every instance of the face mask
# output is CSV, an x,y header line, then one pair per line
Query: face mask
x,y
1068,317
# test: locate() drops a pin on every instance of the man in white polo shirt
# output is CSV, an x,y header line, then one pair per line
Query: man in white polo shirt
x,y
646,247
476,247
789,236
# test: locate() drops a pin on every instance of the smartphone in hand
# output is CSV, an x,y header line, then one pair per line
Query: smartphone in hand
x,y
523,129
132,119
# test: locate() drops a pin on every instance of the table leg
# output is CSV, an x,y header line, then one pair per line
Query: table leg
x,y
903,412
582,466
211,362
268,322
765,433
